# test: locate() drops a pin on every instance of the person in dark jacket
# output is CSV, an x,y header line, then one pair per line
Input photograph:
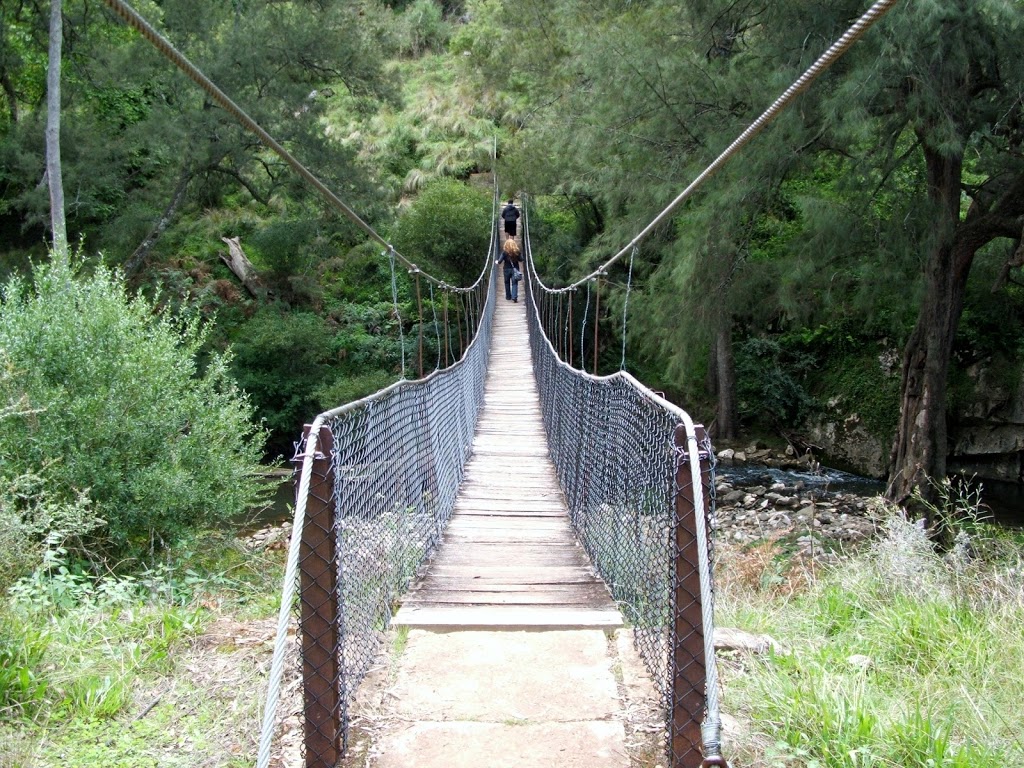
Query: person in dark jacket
x,y
510,214
512,260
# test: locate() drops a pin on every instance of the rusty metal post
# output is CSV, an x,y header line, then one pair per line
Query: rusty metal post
x,y
686,651
318,625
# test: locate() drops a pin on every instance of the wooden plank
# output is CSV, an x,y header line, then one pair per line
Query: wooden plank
x,y
501,522
511,583
507,570
499,554
506,618
508,507
578,598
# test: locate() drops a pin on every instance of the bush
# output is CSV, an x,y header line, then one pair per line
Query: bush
x,y
29,521
554,231
297,364
447,227
770,382
122,411
422,28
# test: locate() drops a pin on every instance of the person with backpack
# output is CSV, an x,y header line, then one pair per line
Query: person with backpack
x,y
511,258
510,214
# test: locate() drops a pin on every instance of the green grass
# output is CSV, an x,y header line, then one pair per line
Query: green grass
x,y
943,635
111,673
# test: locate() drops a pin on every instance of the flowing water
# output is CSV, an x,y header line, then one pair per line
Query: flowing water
x,y
1004,502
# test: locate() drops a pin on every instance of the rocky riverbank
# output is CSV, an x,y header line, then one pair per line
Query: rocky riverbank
x,y
790,499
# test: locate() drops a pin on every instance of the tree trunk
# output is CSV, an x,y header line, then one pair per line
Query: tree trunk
x,y
725,379
53,167
1014,262
138,257
919,453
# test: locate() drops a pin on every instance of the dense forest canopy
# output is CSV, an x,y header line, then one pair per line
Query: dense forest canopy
x,y
867,246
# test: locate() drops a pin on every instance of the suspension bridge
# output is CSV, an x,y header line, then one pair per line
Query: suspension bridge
x,y
507,490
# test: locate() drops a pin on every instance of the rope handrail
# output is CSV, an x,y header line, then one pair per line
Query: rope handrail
x,y
826,60
135,20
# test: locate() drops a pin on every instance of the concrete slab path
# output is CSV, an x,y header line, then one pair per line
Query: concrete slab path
x,y
483,699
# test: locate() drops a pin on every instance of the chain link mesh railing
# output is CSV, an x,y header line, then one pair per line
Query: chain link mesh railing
x,y
377,481
623,457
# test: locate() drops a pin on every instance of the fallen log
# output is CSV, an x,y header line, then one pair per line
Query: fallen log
x,y
242,268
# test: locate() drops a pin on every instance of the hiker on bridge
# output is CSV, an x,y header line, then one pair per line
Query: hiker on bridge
x,y
510,214
512,260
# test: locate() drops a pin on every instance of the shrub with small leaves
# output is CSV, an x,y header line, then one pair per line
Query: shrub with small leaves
x,y
122,411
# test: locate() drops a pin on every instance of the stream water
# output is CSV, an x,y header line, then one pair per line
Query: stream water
x,y
1004,502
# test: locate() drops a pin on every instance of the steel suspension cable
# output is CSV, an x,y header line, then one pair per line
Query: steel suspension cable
x,y
826,60
625,308
394,300
135,20
437,330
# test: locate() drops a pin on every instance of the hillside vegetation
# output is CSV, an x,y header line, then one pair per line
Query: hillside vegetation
x,y
859,262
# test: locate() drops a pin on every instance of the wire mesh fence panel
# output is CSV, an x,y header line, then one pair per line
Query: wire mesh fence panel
x,y
385,477
622,455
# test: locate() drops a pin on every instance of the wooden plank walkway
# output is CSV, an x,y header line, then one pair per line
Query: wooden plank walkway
x,y
509,559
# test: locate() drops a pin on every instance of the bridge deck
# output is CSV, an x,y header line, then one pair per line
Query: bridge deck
x,y
509,558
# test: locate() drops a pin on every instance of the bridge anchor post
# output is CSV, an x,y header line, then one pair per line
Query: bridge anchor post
x,y
686,651
324,729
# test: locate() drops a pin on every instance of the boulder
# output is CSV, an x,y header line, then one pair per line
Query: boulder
x,y
730,639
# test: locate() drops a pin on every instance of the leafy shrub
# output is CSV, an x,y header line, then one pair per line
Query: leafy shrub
x,y
447,227
354,387
123,412
284,245
769,381
280,358
29,521
555,235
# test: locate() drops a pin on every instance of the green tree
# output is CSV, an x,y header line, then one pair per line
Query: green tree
x,y
120,411
946,76
448,226
876,192
143,142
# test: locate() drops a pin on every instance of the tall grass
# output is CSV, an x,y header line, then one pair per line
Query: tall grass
x,y
898,657
80,654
